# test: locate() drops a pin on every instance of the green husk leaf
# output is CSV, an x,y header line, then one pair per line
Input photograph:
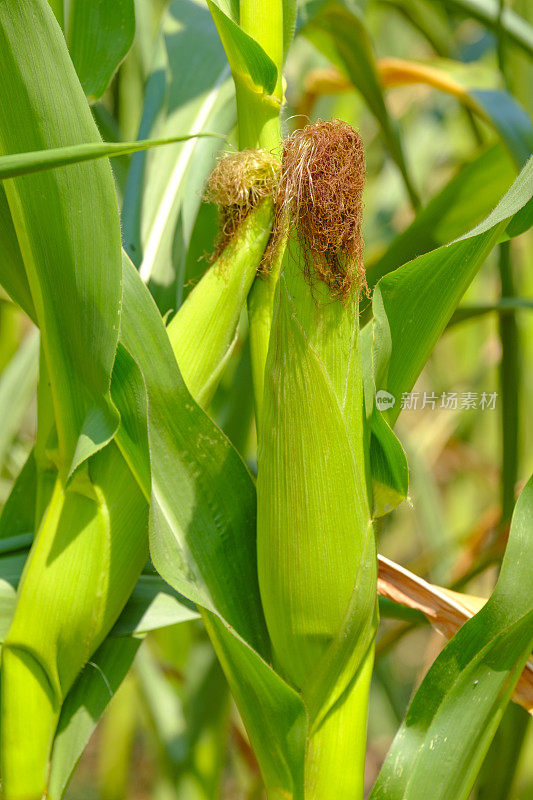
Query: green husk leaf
x,y
203,333
316,550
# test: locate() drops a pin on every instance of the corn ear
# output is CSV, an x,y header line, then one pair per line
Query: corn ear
x,y
316,552
203,332
317,560
87,556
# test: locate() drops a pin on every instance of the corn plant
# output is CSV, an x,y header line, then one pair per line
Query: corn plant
x,y
132,510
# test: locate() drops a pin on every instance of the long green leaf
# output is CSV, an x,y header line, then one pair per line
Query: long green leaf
x,y
206,550
455,713
77,313
487,12
74,294
11,166
98,36
247,59
164,190
84,706
462,203
340,33
413,305
256,72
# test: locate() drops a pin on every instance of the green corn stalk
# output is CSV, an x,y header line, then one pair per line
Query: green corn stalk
x,y
316,549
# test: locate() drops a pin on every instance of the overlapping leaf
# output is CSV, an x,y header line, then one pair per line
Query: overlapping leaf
x,y
78,315
413,304
164,191
454,715
217,569
98,36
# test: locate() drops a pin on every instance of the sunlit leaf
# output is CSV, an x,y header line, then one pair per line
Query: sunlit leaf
x,y
98,36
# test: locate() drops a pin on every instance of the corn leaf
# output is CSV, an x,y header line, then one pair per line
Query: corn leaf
x,y
510,120
206,550
290,10
258,84
74,295
495,106
164,191
455,713
463,202
11,565
518,30
18,513
12,273
408,323
388,467
77,313
429,18
85,704
153,604
340,33
248,61
18,383
98,36
25,163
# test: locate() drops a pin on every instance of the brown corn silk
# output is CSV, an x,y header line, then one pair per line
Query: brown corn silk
x,y
321,191
237,184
